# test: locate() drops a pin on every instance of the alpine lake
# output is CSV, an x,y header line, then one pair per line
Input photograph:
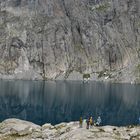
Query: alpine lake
x,y
64,101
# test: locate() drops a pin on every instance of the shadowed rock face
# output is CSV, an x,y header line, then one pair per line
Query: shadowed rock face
x,y
65,39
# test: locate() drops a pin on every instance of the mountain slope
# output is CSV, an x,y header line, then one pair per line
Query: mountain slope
x,y
70,39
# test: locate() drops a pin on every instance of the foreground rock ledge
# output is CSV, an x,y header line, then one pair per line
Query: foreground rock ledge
x,y
15,129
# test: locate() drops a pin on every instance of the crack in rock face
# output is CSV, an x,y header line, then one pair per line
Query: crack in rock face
x,y
67,39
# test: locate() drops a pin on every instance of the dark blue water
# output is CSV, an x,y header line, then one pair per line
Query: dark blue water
x,y
54,102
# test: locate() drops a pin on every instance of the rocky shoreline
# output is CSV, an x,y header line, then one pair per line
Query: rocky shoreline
x,y
15,129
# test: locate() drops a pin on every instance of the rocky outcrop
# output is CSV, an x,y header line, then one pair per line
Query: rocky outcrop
x,y
66,39
14,129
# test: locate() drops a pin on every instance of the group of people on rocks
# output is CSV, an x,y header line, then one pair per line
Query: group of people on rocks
x,y
90,122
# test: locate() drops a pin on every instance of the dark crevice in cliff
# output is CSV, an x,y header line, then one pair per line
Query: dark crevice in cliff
x,y
65,9
43,61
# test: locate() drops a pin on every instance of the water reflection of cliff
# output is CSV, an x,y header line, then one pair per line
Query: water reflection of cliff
x,y
55,102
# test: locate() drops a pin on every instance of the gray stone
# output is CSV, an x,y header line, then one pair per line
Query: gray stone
x,y
16,126
47,126
65,39
109,129
15,129
133,133
61,125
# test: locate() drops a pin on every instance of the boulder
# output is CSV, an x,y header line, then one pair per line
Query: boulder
x,y
47,126
19,127
15,129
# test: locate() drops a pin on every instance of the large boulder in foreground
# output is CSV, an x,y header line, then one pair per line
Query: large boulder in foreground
x,y
18,128
15,129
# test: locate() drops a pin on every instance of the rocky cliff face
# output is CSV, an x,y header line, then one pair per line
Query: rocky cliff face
x,y
70,39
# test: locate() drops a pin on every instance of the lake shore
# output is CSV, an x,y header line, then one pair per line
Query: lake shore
x,y
15,129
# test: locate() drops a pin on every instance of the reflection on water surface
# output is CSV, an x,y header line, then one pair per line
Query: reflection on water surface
x,y
54,102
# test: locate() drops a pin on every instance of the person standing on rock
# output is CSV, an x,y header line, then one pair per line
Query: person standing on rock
x,y
98,121
87,121
81,122
91,122
139,120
